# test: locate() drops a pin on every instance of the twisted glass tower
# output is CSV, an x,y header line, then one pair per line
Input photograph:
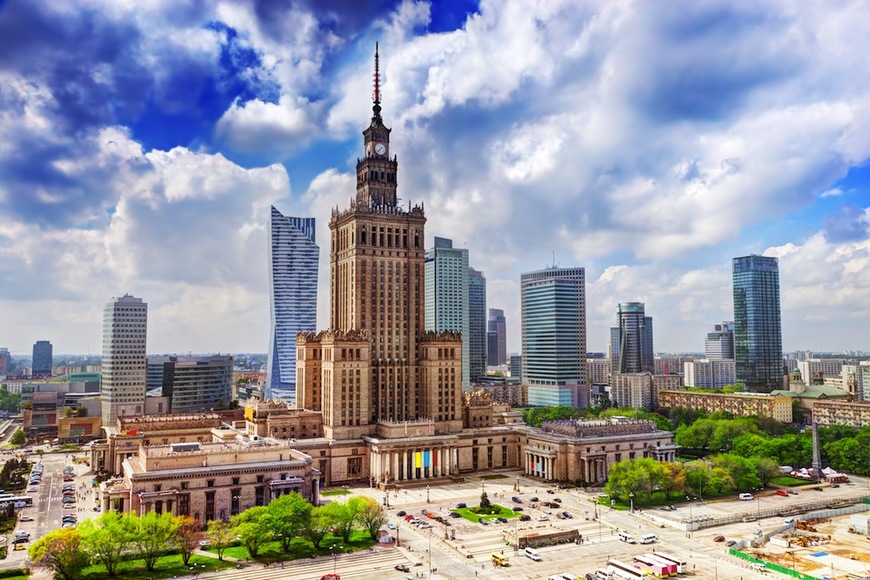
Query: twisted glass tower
x,y
293,257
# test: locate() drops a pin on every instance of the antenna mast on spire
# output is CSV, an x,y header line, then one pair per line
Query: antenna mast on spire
x,y
377,98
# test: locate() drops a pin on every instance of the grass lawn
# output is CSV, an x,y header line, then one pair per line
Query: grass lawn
x,y
166,567
302,548
790,481
473,517
494,476
335,492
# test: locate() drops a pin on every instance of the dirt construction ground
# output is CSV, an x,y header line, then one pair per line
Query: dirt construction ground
x,y
831,551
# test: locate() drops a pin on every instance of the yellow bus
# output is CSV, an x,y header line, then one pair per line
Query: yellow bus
x,y
499,559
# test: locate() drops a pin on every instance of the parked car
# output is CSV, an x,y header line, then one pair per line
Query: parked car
x,y
543,518
515,499
455,515
719,538
483,521
534,498
25,519
568,516
502,520
557,499
782,492
402,568
391,526
525,518
792,492
402,514
461,505
731,543
518,508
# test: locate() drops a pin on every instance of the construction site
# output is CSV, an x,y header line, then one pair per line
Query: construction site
x,y
835,547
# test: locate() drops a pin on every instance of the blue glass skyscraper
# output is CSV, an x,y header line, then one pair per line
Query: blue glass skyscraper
x,y
757,325
554,336
293,265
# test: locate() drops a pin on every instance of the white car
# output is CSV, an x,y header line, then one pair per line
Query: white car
x,y
25,519
391,526
543,518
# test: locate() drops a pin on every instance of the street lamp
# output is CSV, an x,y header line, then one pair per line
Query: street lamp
x,y
631,499
689,525
518,484
335,556
427,493
757,505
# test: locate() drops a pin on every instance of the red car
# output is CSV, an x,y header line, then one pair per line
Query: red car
x,y
330,577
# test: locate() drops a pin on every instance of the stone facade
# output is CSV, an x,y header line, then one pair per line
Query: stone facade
x,y
738,404
828,413
210,480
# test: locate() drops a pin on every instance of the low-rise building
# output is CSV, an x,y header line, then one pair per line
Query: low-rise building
x,y
709,374
827,412
210,481
738,404
640,390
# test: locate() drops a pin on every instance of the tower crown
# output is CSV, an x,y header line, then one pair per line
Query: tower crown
x,y
376,172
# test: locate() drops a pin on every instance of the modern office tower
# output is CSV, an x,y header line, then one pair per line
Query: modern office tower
x,y
496,338
42,353
124,364
709,374
719,344
192,383
447,302
376,367
757,326
5,362
515,366
476,324
635,330
553,304
293,265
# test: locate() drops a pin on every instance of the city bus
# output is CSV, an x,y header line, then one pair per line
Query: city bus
x,y
655,568
670,567
624,570
682,565
499,559
19,501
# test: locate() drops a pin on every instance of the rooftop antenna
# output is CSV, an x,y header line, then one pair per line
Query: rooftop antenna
x,y
376,98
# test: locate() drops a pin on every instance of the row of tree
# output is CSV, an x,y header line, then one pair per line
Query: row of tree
x,y
115,537
291,516
717,475
842,447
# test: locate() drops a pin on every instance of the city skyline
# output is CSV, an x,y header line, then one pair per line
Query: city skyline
x,y
148,164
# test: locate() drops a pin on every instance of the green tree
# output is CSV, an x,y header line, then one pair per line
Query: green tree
x,y
697,476
19,438
630,477
767,469
254,527
373,516
105,538
319,524
61,552
344,517
220,535
289,517
151,535
187,533
675,480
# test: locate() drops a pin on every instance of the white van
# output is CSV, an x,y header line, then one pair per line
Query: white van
x,y
648,539
745,496
532,554
563,576
788,521
626,537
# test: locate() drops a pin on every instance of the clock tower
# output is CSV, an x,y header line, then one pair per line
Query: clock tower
x,y
376,172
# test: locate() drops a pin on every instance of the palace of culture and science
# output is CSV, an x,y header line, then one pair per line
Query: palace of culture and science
x,y
379,400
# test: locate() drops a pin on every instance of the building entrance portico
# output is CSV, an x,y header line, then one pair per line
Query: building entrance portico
x,y
540,463
412,463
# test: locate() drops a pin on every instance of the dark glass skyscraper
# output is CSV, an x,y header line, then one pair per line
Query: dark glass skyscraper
x,y
42,356
496,338
635,335
476,324
757,326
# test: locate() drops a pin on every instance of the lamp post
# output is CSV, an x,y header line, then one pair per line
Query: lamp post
x,y
427,493
335,556
689,525
518,484
429,553
631,499
516,535
757,505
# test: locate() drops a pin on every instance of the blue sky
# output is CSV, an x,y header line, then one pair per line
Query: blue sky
x,y
143,143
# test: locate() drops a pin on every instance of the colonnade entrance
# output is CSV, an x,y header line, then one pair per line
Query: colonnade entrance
x,y
412,464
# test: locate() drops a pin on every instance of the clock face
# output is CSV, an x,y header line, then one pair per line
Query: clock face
x,y
380,148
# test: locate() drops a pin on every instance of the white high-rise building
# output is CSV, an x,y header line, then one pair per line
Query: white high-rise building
x,y
446,295
709,374
125,363
293,265
719,344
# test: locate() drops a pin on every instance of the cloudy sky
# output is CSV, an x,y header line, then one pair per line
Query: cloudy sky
x,y
142,143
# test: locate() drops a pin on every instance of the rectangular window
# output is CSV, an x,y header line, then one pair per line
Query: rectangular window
x,y
209,506
209,483
354,466
184,504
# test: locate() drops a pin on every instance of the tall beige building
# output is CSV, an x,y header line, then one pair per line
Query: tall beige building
x,y
376,364
125,363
